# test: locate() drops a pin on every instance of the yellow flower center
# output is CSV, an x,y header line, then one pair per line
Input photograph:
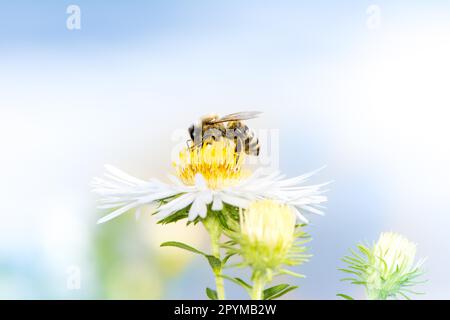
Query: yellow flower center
x,y
217,161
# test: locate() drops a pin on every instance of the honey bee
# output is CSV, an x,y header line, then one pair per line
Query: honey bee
x,y
230,127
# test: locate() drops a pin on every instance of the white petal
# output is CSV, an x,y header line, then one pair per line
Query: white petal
x,y
111,205
299,179
235,201
118,212
206,196
122,175
200,182
157,196
198,208
178,203
203,211
313,210
138,213
124,192
299,215
163,214
217,204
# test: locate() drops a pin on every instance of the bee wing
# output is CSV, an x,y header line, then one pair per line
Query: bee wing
x,y
238,116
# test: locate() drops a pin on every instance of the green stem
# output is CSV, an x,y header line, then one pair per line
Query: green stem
x,y
214,229
218,273
258,288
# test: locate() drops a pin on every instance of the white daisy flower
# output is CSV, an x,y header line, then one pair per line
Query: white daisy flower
x,y
211,174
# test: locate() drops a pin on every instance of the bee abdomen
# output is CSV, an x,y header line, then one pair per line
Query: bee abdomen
x,y
245,140
252,148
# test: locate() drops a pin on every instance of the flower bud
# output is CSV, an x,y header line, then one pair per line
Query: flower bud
x,y
267,236
387,269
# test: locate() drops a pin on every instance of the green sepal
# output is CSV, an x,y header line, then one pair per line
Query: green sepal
x,y
212,294
228,217
291,273
176,216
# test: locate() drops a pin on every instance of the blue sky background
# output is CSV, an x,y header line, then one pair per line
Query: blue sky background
x,y
371,104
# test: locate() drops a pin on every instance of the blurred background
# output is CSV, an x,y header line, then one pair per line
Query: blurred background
x,y
359,86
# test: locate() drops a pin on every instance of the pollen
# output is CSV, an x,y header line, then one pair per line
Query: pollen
x,y
217,161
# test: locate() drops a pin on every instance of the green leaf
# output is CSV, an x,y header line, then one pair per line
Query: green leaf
x,y
243,283
214,262
281,293
182,246
239,282
212,294
346,297
269,292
